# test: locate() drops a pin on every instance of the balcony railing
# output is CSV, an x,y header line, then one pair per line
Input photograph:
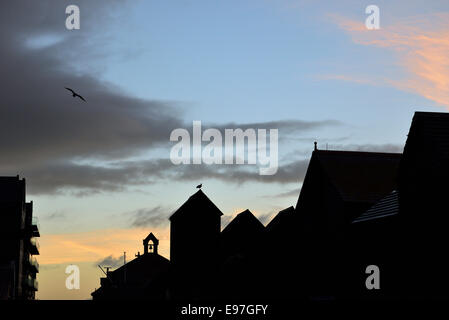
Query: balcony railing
x,y
31,283
34,246
33,264
35,226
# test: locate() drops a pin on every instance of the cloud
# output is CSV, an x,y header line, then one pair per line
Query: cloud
x,y
61,144
420,44
55,215
43,130
110,261
56,177
287,194
266,217
284,126
119,175
153,217
388,148
288,173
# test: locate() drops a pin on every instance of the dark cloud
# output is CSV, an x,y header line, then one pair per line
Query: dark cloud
x,y
55,216
388,147
89,180
287,194
110,261
48,136
266,217
225,219
119,175
284,126
154,217
43,130
288,173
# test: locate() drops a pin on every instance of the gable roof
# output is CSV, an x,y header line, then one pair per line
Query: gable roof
x,y
196,203
244,222
144,266
434,128
149,237
360,176
283,217
387,206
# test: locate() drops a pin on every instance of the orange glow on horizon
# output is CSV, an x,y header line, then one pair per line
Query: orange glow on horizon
x,y
97,245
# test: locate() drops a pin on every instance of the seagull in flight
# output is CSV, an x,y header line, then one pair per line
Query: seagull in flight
x,y
199,186
74,94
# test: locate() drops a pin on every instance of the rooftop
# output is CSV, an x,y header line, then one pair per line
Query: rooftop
x,y
360,176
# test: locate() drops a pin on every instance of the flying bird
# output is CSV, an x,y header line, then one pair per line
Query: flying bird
x,y
199,186
74,94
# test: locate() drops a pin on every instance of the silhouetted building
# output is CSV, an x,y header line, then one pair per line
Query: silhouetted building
x,y
282,224
243,251
18,244
145,277
423,205
244,235
282,256
194,246
338,187
355,209
195,231
405,233
374,239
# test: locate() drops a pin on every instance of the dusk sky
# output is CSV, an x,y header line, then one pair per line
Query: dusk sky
x,y
99,173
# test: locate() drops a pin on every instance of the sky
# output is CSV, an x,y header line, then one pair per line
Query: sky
x,y
99,173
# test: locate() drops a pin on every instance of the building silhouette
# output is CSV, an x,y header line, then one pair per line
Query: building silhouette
x,y
243,242
194,247
354,210
146,277
338,187
18,244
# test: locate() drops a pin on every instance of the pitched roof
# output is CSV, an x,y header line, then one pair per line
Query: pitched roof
x,y
244,222
433,126
283,217
387,206
360,176
143,267
151,236
197,202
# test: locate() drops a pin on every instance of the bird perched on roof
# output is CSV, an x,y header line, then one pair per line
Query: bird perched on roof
x,y
199,186
74,94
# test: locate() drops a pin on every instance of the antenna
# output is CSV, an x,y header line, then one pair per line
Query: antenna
x,y
106,273
103,270
124,267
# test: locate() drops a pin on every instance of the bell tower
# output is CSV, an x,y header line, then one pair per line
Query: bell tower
x,y
150,244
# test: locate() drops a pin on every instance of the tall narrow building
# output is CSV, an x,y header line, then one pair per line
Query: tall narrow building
x,y
194,245
18,243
